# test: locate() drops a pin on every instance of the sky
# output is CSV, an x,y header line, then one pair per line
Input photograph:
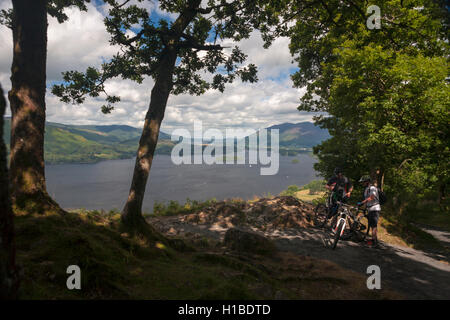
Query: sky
x,y
83,41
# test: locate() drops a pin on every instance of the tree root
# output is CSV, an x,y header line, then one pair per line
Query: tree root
x,y
139,227
39,203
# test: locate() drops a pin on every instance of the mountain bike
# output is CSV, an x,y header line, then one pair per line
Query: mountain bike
x,y
323,210
348,224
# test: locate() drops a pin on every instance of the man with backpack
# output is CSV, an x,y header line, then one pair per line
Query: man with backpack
x,y
373,198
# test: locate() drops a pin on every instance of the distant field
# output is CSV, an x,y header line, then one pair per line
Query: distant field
x,y
305,196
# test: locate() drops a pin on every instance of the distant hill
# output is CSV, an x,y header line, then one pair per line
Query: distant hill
x,y
297,137
300,135
91,143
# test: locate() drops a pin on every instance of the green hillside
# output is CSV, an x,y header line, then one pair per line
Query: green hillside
x,y
92,143
87,144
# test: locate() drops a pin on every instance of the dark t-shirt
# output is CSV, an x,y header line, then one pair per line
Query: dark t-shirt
x,y
342,185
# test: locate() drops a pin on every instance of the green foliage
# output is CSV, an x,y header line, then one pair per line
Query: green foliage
x,y
55,8
146,48
430,215
6,18
315,186
385,91
267,195
174,208
290,191
321,200
405,227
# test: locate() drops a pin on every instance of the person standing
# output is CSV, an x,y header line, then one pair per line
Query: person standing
x,y
341,188
372,202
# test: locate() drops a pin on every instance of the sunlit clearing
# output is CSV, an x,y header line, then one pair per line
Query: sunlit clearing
x,y
159,245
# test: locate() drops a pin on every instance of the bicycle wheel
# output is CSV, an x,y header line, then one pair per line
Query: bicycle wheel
x,y
338,233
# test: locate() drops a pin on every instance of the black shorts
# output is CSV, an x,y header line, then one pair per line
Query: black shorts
x,y
373,217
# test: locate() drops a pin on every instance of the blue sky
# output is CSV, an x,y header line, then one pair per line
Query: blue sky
x,y
83,42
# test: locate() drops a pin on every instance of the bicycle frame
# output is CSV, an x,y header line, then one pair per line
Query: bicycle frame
x,y
342,217
344,212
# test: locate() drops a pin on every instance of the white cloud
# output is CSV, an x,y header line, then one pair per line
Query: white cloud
x,y
83,41
5,53
80,42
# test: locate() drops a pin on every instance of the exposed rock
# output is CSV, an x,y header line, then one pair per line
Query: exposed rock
x,y
248,241
266,214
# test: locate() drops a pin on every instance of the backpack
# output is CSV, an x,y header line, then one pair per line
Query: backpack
x,y
381,197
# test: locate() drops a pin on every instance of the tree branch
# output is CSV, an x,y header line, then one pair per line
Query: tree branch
x,y
198,46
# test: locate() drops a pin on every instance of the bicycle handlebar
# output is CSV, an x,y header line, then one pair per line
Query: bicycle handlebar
x,y
351,207
346,205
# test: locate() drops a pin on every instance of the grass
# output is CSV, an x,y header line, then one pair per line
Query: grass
x,y
308,193
305,195
431,216
406,226
400,230
115,265
290,191
175,208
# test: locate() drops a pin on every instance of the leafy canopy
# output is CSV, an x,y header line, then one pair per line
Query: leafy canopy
x,y
204,61
55,8
384,91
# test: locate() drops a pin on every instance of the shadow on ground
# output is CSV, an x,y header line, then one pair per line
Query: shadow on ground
x,y
414,273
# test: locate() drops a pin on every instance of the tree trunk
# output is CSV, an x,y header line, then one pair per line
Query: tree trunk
x,y
132,212
8,271
374,175
27,100
377,176
441,195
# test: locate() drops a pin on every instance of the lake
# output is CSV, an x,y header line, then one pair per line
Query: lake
x,y
105,185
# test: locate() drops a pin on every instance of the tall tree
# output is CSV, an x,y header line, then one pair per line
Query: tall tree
x,y
384,90
28,21
8,271
173,53
27,101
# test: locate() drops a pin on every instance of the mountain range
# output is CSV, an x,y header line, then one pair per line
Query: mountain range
x,y
91,143
300,135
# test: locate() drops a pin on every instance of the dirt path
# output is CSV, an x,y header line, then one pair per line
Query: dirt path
x,y
416,274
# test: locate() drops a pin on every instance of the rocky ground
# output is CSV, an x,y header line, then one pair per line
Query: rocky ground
x,y
289,224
